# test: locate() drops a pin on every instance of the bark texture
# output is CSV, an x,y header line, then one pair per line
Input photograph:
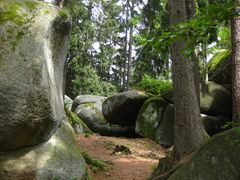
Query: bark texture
x,y
235,27
189,130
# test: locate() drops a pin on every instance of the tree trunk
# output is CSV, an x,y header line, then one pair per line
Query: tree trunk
x,y
129,57
126,48
189,130
235,28
190,10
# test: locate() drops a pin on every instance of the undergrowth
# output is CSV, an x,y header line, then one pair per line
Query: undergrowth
x,y
95,164
154,86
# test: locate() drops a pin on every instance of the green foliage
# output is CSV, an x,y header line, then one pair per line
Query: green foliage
x,y
225,38
63,13
151,61
86,81
95,164
154,86
218,58
108,89
195,31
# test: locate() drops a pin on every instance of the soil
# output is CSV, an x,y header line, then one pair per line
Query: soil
x,y
121,166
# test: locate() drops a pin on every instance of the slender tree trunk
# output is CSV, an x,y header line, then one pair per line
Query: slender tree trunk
x,y
126,48
189,130
235,28
129,57
190,10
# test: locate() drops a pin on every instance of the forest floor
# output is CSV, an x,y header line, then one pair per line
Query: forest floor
x,y
135,166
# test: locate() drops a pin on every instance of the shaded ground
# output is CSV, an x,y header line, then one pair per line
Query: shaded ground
x,y
136,166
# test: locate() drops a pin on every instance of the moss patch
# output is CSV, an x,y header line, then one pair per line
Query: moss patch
x,y
149,116
88,104
13,13
218,59
31,4
74,119
63,13
17,14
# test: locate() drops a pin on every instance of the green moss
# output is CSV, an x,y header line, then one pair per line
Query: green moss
x,y
88,104
63,13
46,11
74,119
150,115
18,37
13,13
95,164
31,4
218,59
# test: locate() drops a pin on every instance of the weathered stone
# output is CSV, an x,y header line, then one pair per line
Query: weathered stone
x,y
217,159
89,110
58,158
155,121
68,102
122,109
215,100
150,116
214,124
164,134
88,100
33,42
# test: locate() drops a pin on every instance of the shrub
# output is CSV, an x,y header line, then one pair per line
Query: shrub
x,y
154,86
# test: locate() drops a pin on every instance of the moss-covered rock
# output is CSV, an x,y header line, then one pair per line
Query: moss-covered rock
x,y
219,67
33,47
58,158
217,159
123,108
215,100
155,121
149,117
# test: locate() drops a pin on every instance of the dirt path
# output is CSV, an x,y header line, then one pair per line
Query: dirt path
x,y
136,166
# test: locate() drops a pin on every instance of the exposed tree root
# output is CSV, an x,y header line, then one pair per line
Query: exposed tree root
x,y
167,166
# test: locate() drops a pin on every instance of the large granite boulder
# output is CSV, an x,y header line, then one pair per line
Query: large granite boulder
x,y
215,100
123,108
89,110
33,43
88,100
149,117
155,121
58,158
217,159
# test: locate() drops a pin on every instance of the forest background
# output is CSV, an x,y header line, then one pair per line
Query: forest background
x,y
120,44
